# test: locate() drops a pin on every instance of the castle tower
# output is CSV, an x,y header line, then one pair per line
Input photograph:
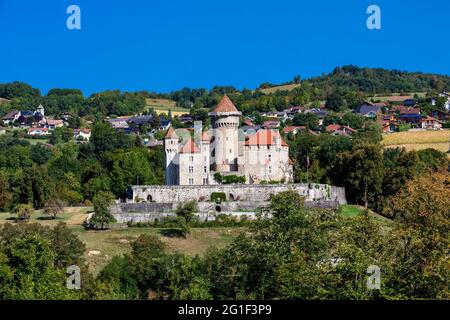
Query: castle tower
x,y
206,156
171,152
225,146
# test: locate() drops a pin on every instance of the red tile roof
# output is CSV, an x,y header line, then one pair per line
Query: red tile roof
x,y
225,105
171,134
334,127
205,136
265,138
430,119
51,122
189,147
37,129
249,123
410,111
289,129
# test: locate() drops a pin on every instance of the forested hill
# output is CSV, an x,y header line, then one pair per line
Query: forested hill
x,y
378,80
344,87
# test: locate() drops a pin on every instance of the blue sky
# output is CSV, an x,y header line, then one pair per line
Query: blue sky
x,y
161,45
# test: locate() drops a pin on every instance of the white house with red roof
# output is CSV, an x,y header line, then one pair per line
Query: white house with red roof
x,y
33,131
430,123
337,129
82,134
225,149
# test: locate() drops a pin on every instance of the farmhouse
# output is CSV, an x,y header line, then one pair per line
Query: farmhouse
x,y
11,117
337,129
431,123
38,131
370,110
82,134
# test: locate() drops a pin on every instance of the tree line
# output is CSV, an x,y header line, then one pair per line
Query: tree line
x,y
298,254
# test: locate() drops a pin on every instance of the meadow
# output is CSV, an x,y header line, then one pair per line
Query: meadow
x,y
101,246
418,140
164,105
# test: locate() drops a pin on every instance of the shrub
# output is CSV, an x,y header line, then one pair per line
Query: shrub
x,y
404,127
218,197
24,211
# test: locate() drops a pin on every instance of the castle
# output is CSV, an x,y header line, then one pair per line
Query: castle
x,y
261,156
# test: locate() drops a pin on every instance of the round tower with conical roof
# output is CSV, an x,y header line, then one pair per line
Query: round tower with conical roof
x,y
225,145
171,151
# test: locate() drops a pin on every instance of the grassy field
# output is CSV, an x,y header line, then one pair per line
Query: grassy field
x,y
350,210
36,141
418,140
404,97
164,105
73,216
287,87
101,246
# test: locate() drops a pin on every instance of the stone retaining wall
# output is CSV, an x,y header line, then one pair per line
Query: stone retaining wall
x,y
170,194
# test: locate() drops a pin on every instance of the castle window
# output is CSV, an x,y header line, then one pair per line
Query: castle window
x,y
270,169
191,181
191,169
270,158
231,150
191,158
205,180
205,169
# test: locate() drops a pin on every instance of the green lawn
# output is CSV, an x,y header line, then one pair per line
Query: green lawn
x,y
350,210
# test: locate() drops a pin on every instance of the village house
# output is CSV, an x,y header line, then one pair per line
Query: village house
x,y
165,124
441,115
119,123
142,120
53,124
34,131
296,129
411,116
409,103
250,129
370,110
186,118
82,134
431,123
271,124
11,117
337,129
389,124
